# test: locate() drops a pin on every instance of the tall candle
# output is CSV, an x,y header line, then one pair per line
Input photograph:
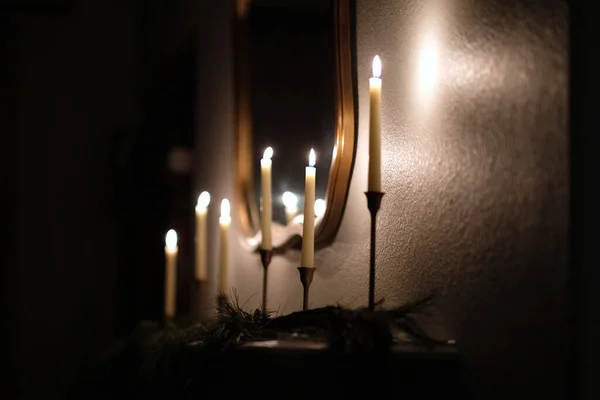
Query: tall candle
x,y
308,229
171,251
200,237
375,127
224,222
290,202
266,212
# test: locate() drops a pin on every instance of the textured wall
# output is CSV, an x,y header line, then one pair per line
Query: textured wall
x,y
475,169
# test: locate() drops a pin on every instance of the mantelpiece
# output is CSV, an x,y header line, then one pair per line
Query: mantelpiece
x,y
301,369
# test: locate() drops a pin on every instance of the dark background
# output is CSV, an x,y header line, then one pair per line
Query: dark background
x,y
94,95
75,82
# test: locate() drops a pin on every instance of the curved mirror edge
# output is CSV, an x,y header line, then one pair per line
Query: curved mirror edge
x,y
283,237
340,174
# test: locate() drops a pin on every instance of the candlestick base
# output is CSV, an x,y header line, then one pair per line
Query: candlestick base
x,y
265,259
373,204
306,277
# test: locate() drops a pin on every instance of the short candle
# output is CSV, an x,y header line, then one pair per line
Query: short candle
x,y
171,251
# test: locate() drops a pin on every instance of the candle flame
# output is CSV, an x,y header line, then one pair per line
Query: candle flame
x,y
312,158
225,209
290,200
171,240
268,153
203,200
320,207
376,67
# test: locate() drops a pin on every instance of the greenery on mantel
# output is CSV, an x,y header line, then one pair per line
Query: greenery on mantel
x,y
152,351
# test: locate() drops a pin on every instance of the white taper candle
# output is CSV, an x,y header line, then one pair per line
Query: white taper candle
x,y
171,251
375,127
266,212
200,237
308,229
224,222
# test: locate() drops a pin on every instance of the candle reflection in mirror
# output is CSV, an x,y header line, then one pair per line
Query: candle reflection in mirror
x,y
266,210
320,207
290,202
308,226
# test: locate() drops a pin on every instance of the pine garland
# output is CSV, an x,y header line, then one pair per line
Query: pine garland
x,y
157,354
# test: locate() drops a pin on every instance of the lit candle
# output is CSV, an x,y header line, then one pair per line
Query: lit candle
x,y
266,212
200,238
290,202
171,251
320,208
375,127
308,228
224,222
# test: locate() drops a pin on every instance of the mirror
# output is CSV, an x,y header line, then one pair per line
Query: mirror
x,y
294,91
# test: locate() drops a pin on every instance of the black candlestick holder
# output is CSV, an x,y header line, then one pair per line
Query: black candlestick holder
x,y
265,259
306,277
373,203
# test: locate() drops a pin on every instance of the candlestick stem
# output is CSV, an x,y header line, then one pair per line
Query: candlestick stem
x,y
373,203
265,259
306,277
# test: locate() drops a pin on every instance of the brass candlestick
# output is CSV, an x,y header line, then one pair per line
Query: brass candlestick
x,y
306,277
265,259
373,203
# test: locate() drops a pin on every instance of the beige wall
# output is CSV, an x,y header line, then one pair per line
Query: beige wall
x,y
475,169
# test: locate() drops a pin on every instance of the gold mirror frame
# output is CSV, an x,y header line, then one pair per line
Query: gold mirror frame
x,y
344,150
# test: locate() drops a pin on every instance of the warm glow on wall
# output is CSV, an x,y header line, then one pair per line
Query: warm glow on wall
x,y
427,67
